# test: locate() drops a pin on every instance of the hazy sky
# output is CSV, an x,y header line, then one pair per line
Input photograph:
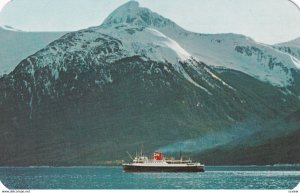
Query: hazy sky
x,y
268,21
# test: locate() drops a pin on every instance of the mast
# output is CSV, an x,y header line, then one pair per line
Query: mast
x,y
180,154
142,150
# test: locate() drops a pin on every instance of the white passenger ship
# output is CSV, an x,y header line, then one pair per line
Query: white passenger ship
x,y
161,164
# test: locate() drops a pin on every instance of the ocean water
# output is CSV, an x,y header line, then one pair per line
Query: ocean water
x,y
251,177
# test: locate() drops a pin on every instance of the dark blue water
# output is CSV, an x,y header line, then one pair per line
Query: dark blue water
x,y
114,178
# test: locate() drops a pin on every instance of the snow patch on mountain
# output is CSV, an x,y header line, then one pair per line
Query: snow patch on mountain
x,y
296,62
219,79
167,42
147,42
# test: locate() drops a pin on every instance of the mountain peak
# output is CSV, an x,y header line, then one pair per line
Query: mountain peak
x,y
132,13
131,4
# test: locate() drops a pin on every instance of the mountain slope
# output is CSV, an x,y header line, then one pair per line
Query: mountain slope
x,y
17,45
274,150
280,150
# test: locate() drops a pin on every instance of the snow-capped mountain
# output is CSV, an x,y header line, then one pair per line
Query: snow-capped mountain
x,y
243,54
292,47
294,43
94,94
110,44
231,51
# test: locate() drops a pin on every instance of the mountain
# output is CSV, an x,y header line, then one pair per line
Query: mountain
x,y
17,45
94,94
294,43
292,47
231,51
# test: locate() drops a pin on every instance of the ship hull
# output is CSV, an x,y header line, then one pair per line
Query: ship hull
x,y
134,168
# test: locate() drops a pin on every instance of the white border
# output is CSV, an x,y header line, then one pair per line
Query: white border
x,y
3,189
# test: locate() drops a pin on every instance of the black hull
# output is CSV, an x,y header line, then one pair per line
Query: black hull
x,y
130,168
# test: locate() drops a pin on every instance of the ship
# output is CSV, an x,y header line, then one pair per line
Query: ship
x,y
159,163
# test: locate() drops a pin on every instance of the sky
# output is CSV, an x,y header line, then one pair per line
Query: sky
x,y
266,21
